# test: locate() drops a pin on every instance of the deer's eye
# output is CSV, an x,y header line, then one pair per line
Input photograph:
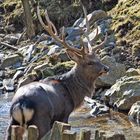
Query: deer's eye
x,y
91,63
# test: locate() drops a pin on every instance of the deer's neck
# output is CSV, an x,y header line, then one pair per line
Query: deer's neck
x,y
78,86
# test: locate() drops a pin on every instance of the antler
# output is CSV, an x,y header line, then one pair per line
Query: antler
x,y
51,29
101,44
86,34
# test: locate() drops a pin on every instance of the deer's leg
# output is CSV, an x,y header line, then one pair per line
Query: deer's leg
x,y
8,131
43,125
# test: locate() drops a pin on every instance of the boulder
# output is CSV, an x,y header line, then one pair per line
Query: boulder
x,y
97,108
134,113
117,70
124,93
8,85
53,49
109,135
12,39
132,72
13,60
93,17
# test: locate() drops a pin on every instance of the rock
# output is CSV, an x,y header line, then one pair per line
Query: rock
x,y
18,74
124,93
13,60
10,28
1,56
132,72
1,83
134,113
93,17
78,22
73,33
1,91
92,36
108,135
53,49
29,52
96,108
28,79
63,56
136,50
2,74
12,38
117,70
8,84
46,42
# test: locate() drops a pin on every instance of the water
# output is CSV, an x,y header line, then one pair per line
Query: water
x,y
5,103
79,119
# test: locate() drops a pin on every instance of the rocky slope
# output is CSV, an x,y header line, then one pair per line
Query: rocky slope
x,y
23,61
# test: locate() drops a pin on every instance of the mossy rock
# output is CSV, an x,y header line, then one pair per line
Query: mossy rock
x,y
132,72
57,69
124,93
136,50
13,13
126,20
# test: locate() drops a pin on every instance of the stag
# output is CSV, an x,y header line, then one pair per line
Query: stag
x,y
54,98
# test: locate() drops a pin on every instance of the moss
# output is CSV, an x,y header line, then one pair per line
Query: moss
x,y
126,20
13,12
136,50
57,69
63,67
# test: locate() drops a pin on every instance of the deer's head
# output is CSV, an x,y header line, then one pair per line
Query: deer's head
x,y
87,62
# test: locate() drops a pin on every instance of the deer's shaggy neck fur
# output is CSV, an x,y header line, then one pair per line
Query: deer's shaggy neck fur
x,y
77,85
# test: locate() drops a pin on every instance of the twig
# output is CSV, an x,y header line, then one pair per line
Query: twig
x,y
8,45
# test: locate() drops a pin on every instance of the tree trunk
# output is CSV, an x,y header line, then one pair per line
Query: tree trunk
x,y
28,19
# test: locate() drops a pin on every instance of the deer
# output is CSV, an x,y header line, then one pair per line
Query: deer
x,y
54,98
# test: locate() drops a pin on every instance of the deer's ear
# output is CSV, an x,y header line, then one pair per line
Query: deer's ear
x,y
74,56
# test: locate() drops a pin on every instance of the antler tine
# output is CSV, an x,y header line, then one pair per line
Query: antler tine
x,y
50,28
86,33
96,34
101,44
49,21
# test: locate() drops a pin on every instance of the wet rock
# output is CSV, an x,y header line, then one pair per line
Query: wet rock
x,y
108,135
8,84
134,113
124,93
13,60
117,70
96,108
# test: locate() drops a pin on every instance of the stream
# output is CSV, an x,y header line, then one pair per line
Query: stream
x,y
115,121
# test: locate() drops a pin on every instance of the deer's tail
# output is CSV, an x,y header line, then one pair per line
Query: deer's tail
x,y
22,111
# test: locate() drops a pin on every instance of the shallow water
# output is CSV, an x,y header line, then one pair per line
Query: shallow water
x,y
113,122
79,119
5,104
